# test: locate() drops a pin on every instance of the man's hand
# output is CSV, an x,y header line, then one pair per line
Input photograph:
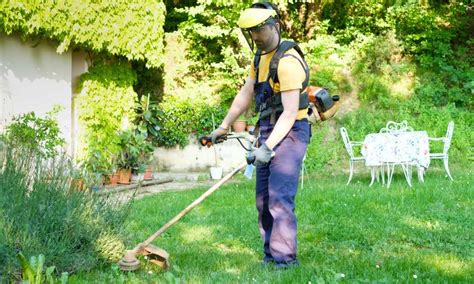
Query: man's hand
x,y
263,155
220,131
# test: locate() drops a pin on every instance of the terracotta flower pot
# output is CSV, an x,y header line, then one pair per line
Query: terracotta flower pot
x,y
124,176
239,126
148,174
112,179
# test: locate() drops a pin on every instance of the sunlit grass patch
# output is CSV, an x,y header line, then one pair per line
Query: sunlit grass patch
x,y
349,233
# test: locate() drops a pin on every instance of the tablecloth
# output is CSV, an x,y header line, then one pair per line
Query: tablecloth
x,y
398,148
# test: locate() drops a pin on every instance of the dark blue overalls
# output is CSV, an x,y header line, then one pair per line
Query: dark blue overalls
x,y
277,183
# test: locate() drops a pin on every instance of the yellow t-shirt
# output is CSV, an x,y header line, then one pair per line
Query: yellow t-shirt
x,y
291,74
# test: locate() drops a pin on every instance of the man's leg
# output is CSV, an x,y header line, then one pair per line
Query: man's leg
x,y
282,187
265,219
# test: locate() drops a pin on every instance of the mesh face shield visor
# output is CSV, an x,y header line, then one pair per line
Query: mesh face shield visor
x,y
247,32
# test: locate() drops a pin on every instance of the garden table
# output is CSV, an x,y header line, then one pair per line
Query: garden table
x,y
400,148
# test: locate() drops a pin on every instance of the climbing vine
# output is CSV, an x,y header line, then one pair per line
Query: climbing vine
x,y
107,101
129,28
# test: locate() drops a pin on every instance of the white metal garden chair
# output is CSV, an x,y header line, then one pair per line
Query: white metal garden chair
x,y
395,127
349,148
447,142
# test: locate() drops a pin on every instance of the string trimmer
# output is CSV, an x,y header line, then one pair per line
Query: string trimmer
x,y
158,255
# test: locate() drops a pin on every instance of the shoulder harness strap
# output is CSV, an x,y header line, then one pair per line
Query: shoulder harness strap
x,y
280,53
256,62
274,102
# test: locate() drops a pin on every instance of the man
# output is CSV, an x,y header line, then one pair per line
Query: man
x,y
284,131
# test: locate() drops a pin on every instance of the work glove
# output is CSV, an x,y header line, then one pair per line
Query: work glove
x,y
220,131
263,155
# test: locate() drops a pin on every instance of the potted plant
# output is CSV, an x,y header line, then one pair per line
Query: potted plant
x,y
148,175
136,151
240,124
112,176
147,118
251,123
78,175
97,165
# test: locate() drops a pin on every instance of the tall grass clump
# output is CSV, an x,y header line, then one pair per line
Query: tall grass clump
x,y
41,213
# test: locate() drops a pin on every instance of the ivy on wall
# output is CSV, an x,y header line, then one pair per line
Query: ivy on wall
x,y
129,28
107,99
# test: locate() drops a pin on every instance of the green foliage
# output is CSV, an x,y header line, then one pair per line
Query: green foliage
x,y
68,226
146,119
438,40
107,103
382,74
32,271
133,29
150,81
216,49
185,116
36,135
349,19
135,150
328,65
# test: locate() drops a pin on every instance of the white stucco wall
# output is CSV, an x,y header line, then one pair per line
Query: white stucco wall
x,y
33,77
197,158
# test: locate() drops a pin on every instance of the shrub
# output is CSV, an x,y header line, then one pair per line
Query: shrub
x,y
439,42
381,72
107,101
42,213
35,135
327,63
185,116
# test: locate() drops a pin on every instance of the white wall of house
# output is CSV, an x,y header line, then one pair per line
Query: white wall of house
x,y
34,77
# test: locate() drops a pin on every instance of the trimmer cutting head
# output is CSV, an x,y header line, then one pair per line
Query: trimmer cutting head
x,y
129,262
157,256
154,254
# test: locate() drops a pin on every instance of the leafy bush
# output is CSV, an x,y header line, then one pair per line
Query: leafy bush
x,y
350,19
185,116
438,41
35,135
327,63
107,101
381,72
42,213
135,150
32,271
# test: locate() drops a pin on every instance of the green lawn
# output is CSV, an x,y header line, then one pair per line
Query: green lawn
x,y
346,233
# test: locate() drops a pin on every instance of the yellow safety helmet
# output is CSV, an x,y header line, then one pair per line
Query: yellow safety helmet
x,y
253,17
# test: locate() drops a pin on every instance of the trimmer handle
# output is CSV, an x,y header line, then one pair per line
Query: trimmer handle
x,y
250,159
207,141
